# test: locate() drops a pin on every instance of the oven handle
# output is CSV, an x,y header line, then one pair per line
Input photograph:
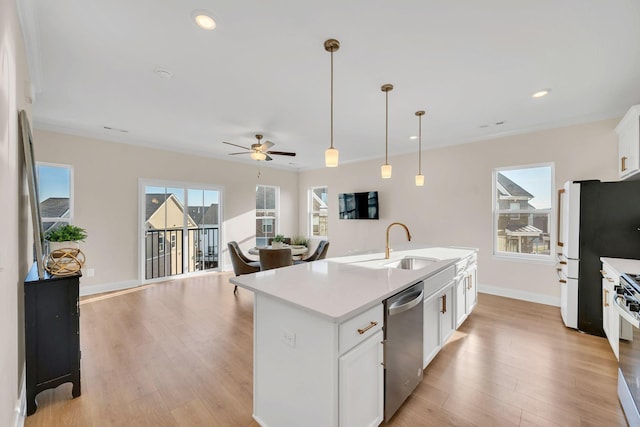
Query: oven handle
x,y
618,301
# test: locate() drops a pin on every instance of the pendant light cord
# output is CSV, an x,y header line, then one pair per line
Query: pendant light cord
x,y
386,130
420,145
332,99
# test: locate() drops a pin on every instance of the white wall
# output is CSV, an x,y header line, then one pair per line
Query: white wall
x,y
15,250
106,177
455,205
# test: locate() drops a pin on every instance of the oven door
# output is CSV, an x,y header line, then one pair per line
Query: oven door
x,y
629,364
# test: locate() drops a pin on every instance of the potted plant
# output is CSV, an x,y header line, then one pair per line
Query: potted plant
x,y
300,241
278,241
65,237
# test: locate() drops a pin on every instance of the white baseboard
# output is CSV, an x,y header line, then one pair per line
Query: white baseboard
x,y
108,287
521,295
21,405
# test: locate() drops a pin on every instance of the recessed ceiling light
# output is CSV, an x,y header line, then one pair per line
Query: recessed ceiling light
x,y
203,19
413,137
541,93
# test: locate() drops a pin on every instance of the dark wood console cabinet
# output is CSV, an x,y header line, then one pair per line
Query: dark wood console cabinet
x,y
52,333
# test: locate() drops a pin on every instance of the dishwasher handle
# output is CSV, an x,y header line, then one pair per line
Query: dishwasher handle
x,y
402,305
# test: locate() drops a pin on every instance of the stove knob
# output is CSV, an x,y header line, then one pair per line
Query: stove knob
x,y
634,306
619,289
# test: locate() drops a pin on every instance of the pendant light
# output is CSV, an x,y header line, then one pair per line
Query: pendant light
x,y
385,170
419,177
331,155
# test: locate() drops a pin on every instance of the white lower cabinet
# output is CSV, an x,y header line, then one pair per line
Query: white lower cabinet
x,y
471,288
361,388
610,317
466,288
439,321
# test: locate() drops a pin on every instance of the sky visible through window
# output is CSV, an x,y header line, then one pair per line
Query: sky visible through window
x,y
536,180
53,181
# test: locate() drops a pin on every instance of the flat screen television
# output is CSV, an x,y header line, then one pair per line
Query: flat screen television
x,y
358,205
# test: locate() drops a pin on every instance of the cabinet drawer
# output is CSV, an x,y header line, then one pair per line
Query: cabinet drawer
x,y
361,327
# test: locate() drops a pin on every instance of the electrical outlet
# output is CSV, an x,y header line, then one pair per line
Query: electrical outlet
x,y
91,272
288,337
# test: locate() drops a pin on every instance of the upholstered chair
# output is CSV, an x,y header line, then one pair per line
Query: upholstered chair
x,y
275,258
241,264
319,253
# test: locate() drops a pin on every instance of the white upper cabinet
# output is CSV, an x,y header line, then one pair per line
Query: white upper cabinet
x,y
628,131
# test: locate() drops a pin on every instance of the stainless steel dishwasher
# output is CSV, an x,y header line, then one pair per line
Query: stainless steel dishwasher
x,y
403,324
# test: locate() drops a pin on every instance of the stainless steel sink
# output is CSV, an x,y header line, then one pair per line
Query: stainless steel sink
x,y
411,263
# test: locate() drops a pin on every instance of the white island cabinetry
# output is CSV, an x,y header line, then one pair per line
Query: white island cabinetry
x,y
439,320
318,334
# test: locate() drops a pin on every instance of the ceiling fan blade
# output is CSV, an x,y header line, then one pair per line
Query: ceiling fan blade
x,y
266,145
236,145
282,153
268,158
244,152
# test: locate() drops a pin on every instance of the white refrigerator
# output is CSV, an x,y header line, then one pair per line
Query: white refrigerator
x,y
568,251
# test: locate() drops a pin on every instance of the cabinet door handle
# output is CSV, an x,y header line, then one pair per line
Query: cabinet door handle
x,y
562,281
444,303
562,262
371,325
469,282
606,298
623,163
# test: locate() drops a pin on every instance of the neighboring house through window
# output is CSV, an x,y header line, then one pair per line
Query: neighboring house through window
x,y
55,192
522,211
267,205
318,212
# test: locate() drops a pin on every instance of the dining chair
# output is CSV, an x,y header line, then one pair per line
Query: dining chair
x,y
319,253
275,258
241,264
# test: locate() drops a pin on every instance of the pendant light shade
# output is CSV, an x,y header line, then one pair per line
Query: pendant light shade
x,y
385,170
419,177
331,155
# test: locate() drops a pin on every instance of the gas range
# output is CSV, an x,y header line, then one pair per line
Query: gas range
x,y
628,292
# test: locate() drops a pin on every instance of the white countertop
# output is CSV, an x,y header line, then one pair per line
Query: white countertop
x,y
623,265
339,288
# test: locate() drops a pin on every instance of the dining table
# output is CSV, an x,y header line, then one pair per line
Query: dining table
x,y
296,250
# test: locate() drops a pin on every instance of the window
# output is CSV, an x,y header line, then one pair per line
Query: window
x,y
523,211
266,213
318,212
55,194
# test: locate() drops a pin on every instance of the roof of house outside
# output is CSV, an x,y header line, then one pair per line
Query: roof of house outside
x,y
506,187
54,207
153,201
523,230
204,215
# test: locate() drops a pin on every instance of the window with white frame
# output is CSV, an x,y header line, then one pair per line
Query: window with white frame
x,y
522,211
55,192
267,205
318,212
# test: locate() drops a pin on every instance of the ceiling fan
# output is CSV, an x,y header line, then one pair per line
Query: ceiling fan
x,y
260,150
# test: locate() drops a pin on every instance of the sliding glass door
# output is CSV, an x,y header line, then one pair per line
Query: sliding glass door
x,y
181,230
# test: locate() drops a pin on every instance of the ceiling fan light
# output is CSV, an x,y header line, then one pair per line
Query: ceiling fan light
x,y
419,180
385,171
331,158
256,155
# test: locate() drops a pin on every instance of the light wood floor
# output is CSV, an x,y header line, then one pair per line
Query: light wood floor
x,y
180,354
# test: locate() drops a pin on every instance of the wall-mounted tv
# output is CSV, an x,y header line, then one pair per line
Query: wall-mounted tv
x,y
358,205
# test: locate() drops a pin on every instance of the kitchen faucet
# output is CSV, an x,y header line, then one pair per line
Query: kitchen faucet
x,y
387,248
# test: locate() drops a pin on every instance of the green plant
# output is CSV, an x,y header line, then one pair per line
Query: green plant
x,y
279,238
66,233
300,241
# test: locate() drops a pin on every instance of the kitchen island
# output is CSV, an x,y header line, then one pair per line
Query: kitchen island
x,y
318,348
